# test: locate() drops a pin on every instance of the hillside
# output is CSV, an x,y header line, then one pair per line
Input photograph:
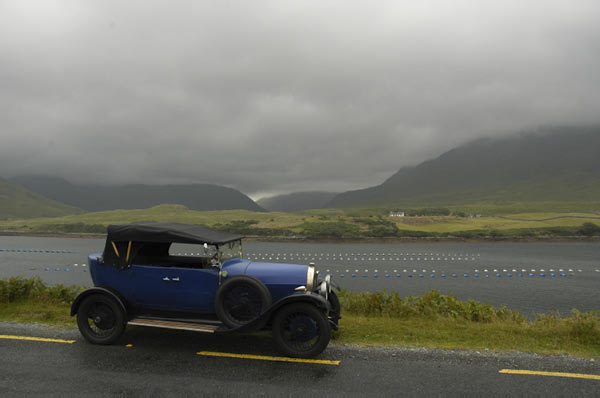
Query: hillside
x,y
550,164
297,201
19,202
138,196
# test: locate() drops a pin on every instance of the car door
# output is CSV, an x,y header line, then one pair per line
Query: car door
x,y
195,288
153,287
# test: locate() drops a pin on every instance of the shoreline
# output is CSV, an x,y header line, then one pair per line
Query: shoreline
x,y
300,239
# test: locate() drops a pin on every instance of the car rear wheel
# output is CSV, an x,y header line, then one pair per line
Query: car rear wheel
x,y
240,300
301,330
100,319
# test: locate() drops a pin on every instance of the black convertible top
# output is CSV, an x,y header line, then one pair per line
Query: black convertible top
x,y
168,233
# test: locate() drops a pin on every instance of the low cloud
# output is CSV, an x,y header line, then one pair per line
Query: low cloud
x,y
277,96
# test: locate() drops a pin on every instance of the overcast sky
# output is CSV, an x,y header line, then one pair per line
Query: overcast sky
x,y
280,96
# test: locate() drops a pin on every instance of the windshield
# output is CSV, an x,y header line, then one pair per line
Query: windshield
x,y
230,250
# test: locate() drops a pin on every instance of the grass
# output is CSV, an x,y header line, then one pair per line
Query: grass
x,y
375,319
537,337
515,221
162,213
443,321
30,300
550,219
44,312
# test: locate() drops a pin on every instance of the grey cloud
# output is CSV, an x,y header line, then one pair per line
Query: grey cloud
x,y
281,96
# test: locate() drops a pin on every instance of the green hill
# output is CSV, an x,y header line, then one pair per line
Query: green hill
x,y
19,202
138,196
553,164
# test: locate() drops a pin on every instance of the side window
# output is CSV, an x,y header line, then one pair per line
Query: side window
x,y
168,255
191,256
154,254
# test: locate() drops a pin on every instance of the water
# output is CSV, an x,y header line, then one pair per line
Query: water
x,y
531,277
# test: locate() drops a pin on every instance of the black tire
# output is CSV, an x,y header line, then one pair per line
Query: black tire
x,y
100,319
240,300
301,330
336,309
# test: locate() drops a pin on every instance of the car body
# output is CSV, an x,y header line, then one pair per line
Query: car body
x,y
137,280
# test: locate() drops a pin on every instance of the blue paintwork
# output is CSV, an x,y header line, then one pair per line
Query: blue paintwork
x,y
280,279
189,289
108,277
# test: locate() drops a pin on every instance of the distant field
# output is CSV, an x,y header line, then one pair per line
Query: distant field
x,y
452,224
163,213
465,221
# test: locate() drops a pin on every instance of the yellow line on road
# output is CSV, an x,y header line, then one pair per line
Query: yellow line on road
x,y
555,374
8,337
267,358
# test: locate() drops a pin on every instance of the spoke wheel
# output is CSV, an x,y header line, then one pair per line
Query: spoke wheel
x,y
301,330
100,319
241,300
243,303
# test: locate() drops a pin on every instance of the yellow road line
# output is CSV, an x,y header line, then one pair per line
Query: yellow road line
x,y
8,337
267,358
555,374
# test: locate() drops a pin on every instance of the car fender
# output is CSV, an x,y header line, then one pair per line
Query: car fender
x,y
97,290
315,299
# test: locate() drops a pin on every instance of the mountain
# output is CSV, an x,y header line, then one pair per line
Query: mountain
x,y
18,202
138,196
296,201
548,164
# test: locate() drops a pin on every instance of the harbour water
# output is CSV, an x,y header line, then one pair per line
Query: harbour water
x,y
531,277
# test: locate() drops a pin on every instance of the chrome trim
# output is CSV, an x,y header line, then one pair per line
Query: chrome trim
x,y
328,281
300,289
323,289
310,277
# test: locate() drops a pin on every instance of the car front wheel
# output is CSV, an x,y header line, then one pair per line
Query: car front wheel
x,y
240,300
301,330
100,319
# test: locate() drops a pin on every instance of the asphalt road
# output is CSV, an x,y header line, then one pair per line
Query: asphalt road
x,y
166,363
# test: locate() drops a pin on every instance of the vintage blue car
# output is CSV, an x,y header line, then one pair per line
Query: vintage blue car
x,y
138,281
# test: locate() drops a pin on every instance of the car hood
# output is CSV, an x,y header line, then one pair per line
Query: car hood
x,y
269,273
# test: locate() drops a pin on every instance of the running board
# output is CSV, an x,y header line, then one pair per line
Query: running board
x,y
196,327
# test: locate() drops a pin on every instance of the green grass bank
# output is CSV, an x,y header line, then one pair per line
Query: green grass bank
x,y
434,320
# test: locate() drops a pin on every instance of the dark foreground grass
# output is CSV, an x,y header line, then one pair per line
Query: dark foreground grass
x,y
30,300
46,312
442,321
377,319
556,338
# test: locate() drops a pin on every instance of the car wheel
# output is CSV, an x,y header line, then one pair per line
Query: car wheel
x,y
335,312
240,300
301,330
100,319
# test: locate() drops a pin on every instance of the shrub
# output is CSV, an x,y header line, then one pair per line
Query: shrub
x,y
589,229
432,305
584,325
20,289
337,229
